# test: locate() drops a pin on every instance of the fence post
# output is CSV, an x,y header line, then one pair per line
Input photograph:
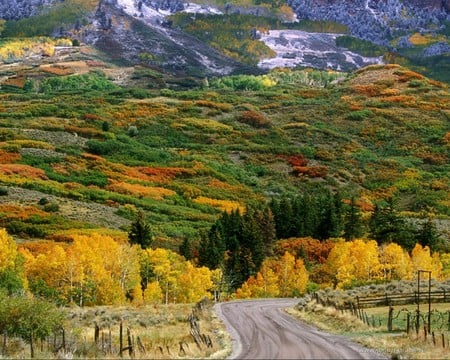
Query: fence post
x,y
390,318
443,340
434,338
417,321
408,320
120,339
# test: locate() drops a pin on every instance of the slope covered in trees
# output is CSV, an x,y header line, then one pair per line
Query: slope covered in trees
x,y
111,183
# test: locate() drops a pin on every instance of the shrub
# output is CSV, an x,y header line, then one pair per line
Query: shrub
x,y
254,118
3,191
51,207
359,115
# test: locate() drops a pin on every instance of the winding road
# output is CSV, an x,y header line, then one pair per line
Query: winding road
x,y
260,329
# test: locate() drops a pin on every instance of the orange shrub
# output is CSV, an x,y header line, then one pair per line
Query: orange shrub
x,y
8,157
402,99
214,105
295,160
446,138
155,174
60,70
367,90
254,118
157,193
16,81
20,212
22,170
407,75
311,171
313,250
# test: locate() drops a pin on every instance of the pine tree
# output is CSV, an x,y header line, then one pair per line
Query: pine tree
x,y
186,249
387,226
353,224
140,232
427,235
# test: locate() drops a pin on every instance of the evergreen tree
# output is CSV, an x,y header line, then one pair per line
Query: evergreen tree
x,y
266,222
186,249
387,226
140,232
427,235
212,247
353,224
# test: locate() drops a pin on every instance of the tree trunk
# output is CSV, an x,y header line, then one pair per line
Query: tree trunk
x,y
31,346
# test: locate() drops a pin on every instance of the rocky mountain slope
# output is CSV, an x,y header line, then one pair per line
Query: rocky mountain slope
x,y
19,9
376,20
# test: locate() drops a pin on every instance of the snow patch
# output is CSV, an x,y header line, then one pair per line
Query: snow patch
x,y
317,50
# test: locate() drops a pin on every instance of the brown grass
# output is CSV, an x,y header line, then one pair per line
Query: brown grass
x,y
160,328
387,344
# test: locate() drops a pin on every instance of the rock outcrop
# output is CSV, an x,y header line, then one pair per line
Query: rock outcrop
x,y
377,20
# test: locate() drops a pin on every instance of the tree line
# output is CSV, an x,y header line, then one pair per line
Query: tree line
x,y
239,243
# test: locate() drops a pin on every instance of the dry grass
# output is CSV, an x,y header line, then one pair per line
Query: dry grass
x,y
389,344
160,328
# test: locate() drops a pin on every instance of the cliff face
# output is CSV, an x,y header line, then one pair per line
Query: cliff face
x,y
18,9
376,20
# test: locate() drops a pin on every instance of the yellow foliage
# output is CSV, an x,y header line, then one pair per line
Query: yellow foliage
x,y
8,250
395,262
204,124
154,192
153,293
422,259
285,277
224,205
354,260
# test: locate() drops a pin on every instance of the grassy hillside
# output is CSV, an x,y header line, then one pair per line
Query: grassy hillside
x,y
186,156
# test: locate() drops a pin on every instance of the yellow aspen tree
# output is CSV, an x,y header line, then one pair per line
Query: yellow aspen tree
x,y
137,296
445,261
421,259
218,282
49,267
193,284
364,256
244,292
267,281
166,266
292,276
339,261
8,250
395,262
153,293
12,272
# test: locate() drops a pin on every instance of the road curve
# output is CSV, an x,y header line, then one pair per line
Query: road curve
x,y
260,329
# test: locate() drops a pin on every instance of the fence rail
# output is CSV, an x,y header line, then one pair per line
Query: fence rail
x,y
440,296
360,302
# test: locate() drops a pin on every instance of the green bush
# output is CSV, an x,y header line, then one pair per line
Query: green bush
x,y
359,115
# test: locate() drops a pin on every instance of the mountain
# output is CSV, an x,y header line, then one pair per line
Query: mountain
x,y
213,38
377,20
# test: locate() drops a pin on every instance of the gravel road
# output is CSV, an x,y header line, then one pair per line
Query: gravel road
x,y
260,329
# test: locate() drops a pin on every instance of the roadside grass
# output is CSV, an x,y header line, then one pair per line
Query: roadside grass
x,y
390,344
163,331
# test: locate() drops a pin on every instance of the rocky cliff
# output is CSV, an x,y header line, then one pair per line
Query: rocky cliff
x,y
377,20
18,9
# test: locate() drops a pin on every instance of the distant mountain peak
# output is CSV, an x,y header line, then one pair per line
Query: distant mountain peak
x,y
376,20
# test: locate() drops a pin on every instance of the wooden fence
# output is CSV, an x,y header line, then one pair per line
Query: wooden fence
x,y
361,302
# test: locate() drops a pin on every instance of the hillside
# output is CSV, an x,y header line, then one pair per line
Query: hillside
x,y
90,146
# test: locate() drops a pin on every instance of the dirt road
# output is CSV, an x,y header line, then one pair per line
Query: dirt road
x,y
262,330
